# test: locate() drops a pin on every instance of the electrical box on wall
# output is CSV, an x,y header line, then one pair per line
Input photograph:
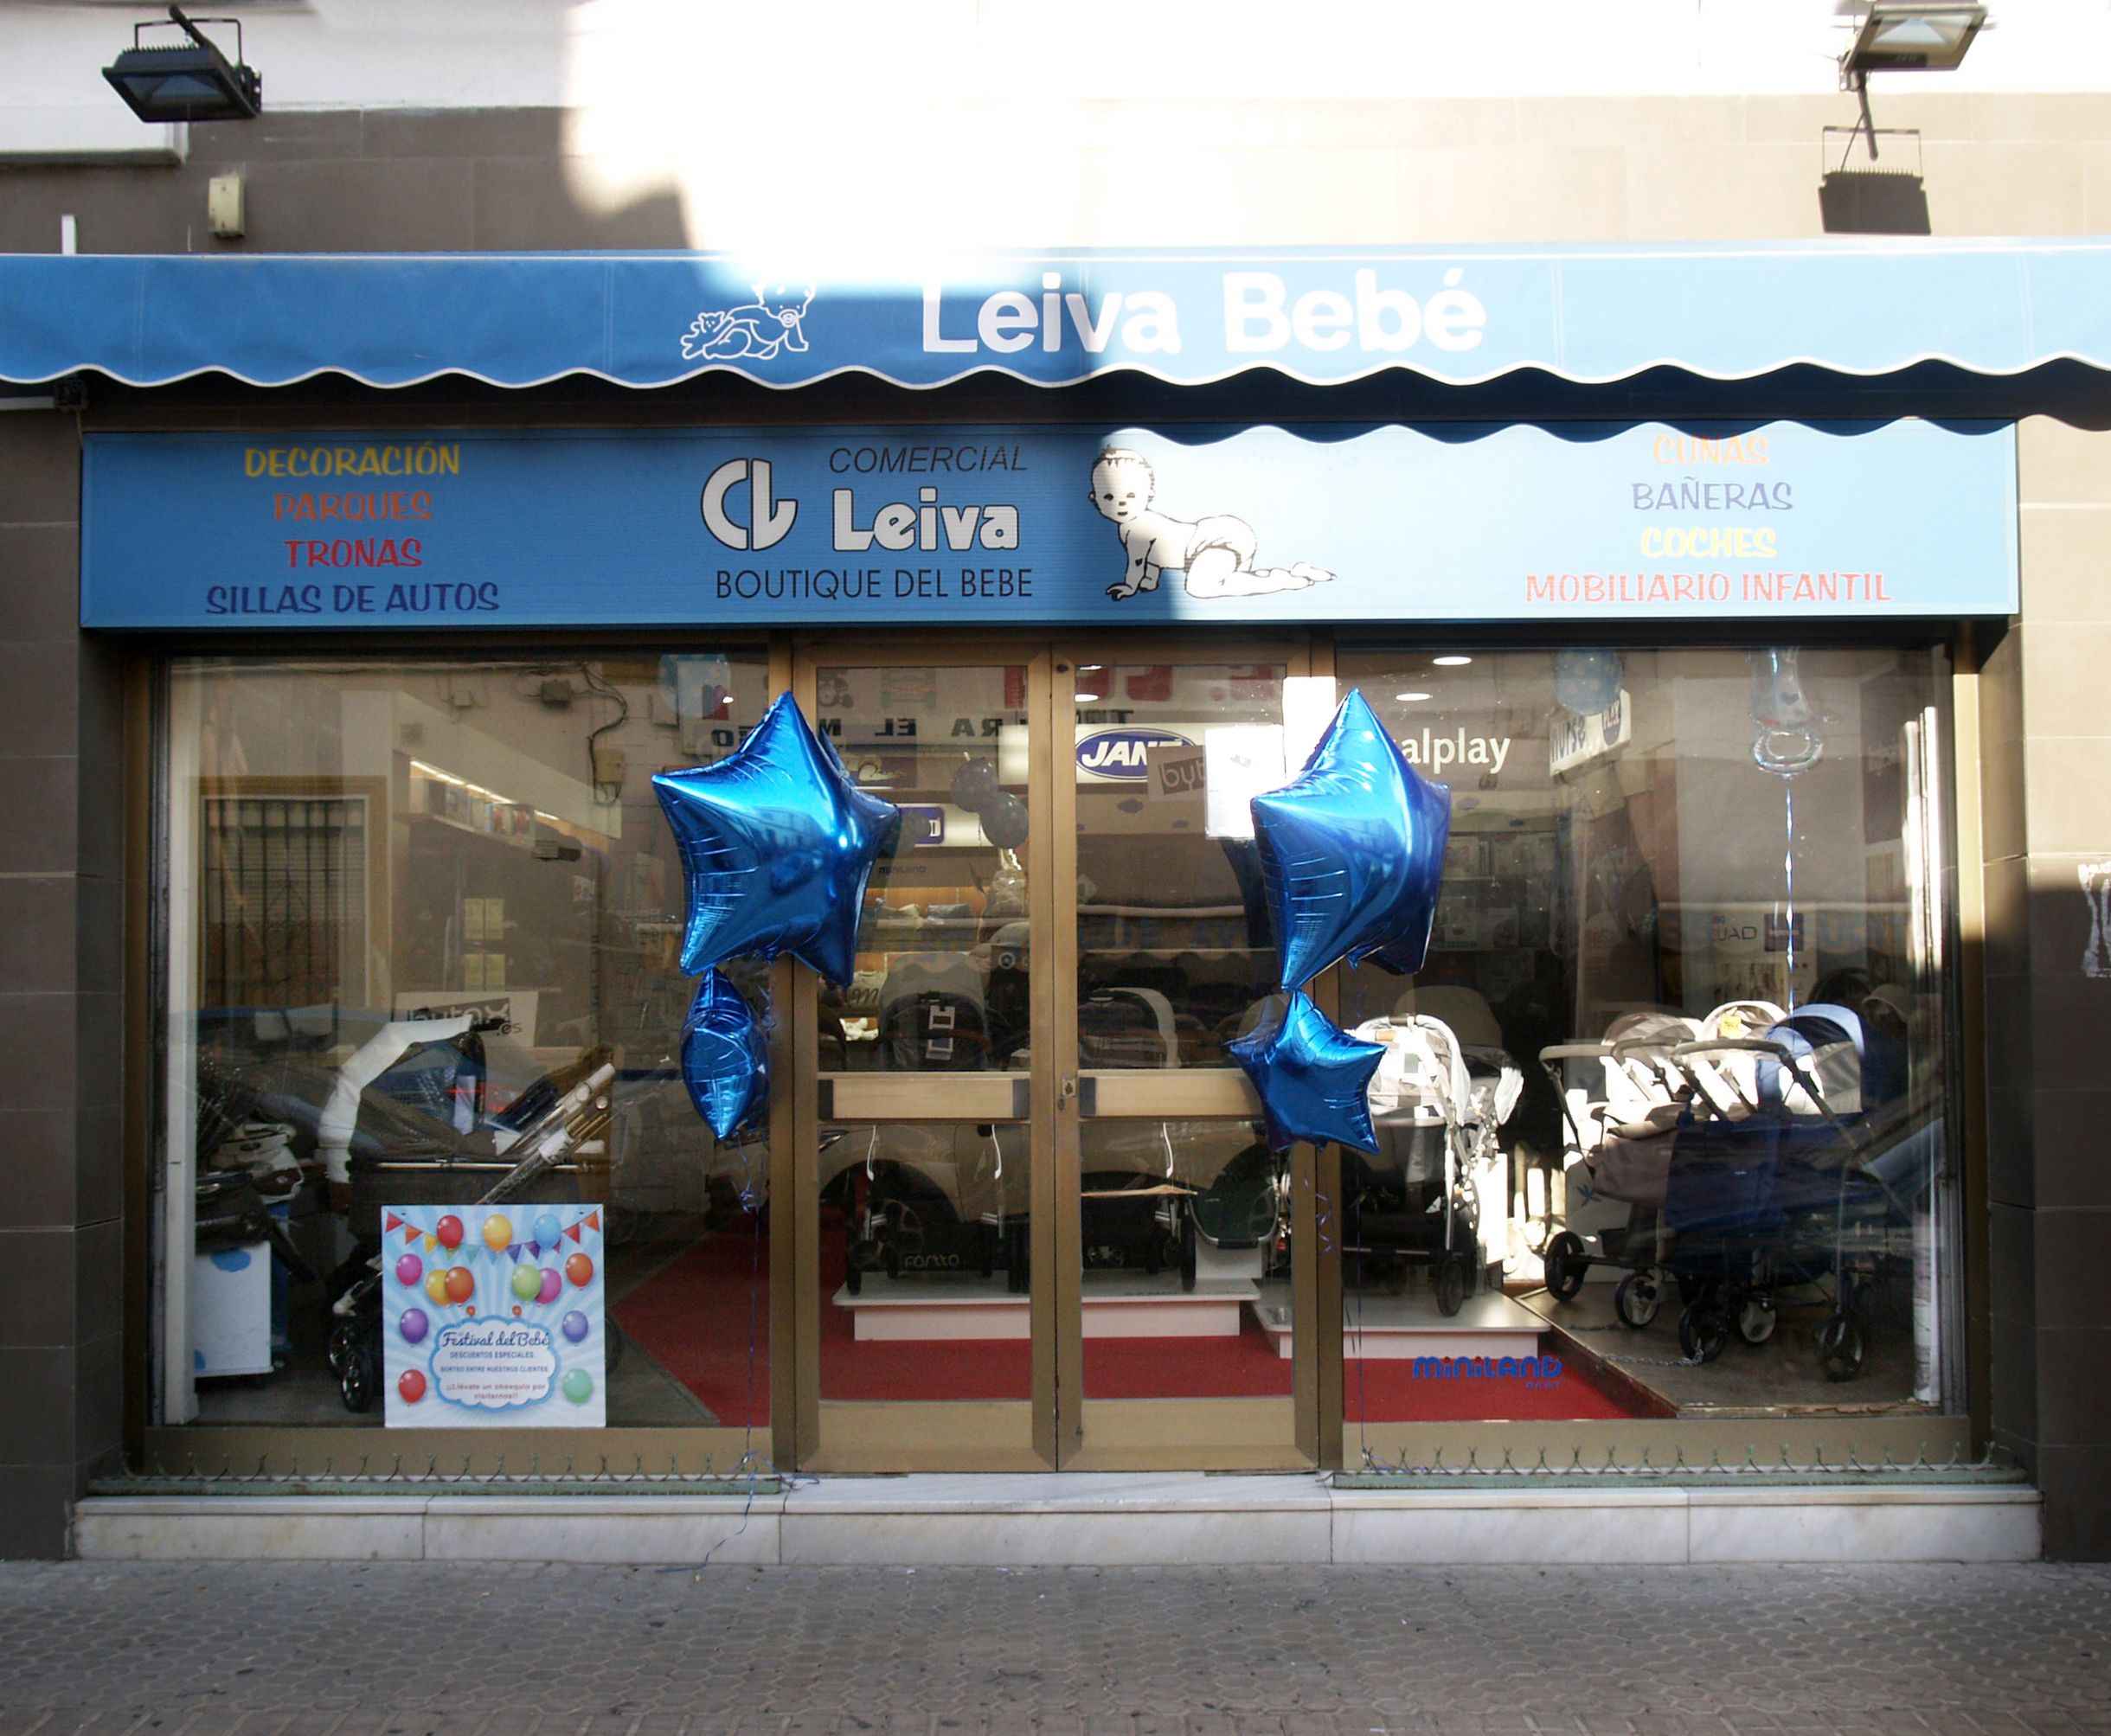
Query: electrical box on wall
x,y
223,207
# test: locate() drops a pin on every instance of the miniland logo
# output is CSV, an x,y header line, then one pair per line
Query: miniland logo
x,y
1534,1371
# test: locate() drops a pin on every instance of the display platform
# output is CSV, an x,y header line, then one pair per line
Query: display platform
x,y
1393,1328
1114,1305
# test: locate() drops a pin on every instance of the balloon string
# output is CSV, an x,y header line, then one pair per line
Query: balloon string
x,y
1788,867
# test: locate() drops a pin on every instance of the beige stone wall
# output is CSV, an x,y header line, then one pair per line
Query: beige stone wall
x,y
2046,770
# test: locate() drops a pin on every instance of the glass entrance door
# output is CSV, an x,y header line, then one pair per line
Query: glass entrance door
x,y
924,1319
1178,1270
1036,1222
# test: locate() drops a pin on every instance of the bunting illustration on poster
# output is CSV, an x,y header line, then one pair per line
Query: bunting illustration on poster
x,y
1351,855
777,843
494,1317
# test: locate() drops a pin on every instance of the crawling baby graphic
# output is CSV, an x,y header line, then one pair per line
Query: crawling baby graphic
x,y
1216,554
758,329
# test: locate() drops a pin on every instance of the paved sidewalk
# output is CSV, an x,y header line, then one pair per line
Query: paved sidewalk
x,y
521,1651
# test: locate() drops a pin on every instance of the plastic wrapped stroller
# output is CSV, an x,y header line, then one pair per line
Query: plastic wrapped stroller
x,y
1435,1105
1808,1186
1649,1078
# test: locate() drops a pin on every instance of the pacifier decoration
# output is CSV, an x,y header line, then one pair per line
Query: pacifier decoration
x,y
1352,859
1787,734
777,844
1313,1077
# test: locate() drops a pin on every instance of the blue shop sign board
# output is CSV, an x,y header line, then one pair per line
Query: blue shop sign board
x,y
1028,525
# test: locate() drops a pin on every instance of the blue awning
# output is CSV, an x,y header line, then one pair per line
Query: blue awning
x,y
1726,311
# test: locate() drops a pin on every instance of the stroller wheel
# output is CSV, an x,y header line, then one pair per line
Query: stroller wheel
x,y
1187,1255
1703,1331
1756,1319
1450,1285
361,1382
1566,1264
1840,1347
1637,1300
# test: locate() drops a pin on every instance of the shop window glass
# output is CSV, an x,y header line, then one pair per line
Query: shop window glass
x,y
1174,958
1668,1104
423,925
943,952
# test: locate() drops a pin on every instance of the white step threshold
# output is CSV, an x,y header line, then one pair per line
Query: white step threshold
x,y
1161,1519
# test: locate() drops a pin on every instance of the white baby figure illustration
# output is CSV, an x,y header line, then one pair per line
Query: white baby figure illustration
x,y
1216,554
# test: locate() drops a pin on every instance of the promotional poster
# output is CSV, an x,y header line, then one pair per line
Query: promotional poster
x,y
494,1317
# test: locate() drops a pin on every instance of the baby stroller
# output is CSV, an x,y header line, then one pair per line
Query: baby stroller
x,y
1133,1201
929,1198
395,1155
1806,1183
1435,1105
1619,1154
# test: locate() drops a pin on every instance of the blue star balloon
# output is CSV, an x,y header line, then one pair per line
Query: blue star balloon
x,y
725,1062
1311,1076
777,843
1352,852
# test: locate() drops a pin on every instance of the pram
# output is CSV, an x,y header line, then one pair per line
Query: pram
x,y
1435,1105
929,1198
394,1154
1808,1185
1618,1157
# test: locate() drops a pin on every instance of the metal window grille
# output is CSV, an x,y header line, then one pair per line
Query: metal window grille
x,y
284,892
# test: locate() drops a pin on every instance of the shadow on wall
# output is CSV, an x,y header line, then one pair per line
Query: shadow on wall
x,y
1871,184
378,180
1873,202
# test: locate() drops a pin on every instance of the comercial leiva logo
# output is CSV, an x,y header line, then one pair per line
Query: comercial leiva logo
x,y
897,527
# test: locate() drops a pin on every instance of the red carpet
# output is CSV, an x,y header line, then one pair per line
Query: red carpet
x,y
693,1315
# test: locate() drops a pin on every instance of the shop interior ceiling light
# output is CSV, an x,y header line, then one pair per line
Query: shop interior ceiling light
x,y
1898,36
191,81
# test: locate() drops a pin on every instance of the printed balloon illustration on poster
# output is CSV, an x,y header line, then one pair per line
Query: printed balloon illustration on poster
x,y
494,1317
